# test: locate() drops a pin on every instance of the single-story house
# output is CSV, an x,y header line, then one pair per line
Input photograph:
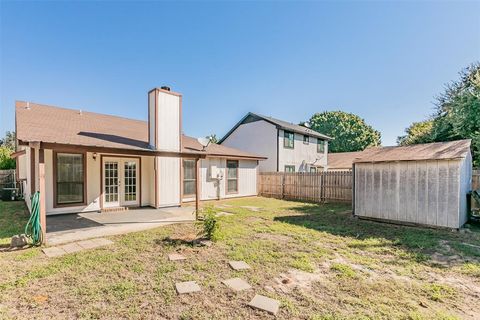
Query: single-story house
x,y
425,184
342,161
83,161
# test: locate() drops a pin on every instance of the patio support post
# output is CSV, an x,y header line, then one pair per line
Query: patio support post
x,y
41,188
197,187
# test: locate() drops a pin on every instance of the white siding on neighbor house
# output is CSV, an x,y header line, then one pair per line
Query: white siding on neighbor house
x,y
168,121
211,189
168,179
301,152
420,192
258,137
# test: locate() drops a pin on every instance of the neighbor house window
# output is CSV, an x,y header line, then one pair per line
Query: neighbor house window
x,y
289,168
189,177
232,176
306,139
288,139
70,178
320,146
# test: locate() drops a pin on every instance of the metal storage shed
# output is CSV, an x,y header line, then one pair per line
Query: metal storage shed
x,y
422,184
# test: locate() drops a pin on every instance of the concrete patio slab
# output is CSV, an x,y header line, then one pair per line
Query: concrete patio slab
x,y
71,247
265,303
187,287
53,252
176,257
72,227
239,265
237,284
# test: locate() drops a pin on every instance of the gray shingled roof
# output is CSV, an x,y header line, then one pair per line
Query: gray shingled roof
x,y
251,117
66,126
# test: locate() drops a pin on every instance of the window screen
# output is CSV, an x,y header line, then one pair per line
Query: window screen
x,y
70,178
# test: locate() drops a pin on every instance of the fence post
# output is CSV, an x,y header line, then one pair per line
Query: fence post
x,y
283,184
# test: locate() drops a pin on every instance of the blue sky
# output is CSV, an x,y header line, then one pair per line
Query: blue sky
x,y
384,61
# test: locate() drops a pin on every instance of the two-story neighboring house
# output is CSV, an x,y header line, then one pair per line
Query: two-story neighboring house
x,y
288,147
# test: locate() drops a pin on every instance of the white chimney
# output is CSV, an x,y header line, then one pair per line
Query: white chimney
x,y
164,119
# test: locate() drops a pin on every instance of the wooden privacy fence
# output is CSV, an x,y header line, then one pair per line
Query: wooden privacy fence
x,y
331,186
7,179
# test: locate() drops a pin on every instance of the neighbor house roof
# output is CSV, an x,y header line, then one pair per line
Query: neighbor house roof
x,y
342,160
252,117
429,151
49,124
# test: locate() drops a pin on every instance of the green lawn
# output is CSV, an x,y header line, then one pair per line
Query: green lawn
x,y
320,262
13,218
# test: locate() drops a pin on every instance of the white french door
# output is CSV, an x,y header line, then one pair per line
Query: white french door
x,y
120,182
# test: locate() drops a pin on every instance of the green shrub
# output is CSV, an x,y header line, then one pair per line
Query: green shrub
x,y
210,224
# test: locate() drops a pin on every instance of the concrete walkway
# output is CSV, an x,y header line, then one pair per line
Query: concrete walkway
x,y
74,227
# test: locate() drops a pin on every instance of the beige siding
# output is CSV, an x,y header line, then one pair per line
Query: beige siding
x,y
151,118
168,122
247,179
148,181
168,181
212,189
423,192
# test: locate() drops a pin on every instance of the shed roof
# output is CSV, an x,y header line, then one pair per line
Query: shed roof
x,y
342,160
428,151
51,124
252,117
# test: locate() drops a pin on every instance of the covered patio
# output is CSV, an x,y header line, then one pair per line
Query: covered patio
x,y
66,228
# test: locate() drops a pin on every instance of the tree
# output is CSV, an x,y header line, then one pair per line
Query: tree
x,y
457,114
213,138
5,161
9,140
350,132
418,132
7,146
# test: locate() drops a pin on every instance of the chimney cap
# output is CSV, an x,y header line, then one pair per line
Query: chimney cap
x,y
166,88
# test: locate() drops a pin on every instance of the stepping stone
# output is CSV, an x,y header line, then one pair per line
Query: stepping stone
x,y
237,284
239,265
265,304
52,252
176,257
71,247
88,244
102,241
223,213
251,208
187,287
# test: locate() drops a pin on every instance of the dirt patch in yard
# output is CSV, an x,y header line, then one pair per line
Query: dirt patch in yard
x,y
318,261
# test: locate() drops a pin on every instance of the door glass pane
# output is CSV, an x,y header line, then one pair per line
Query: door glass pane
x,y
130,181
111,181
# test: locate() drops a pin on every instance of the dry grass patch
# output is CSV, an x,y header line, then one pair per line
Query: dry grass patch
x,y
316,259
